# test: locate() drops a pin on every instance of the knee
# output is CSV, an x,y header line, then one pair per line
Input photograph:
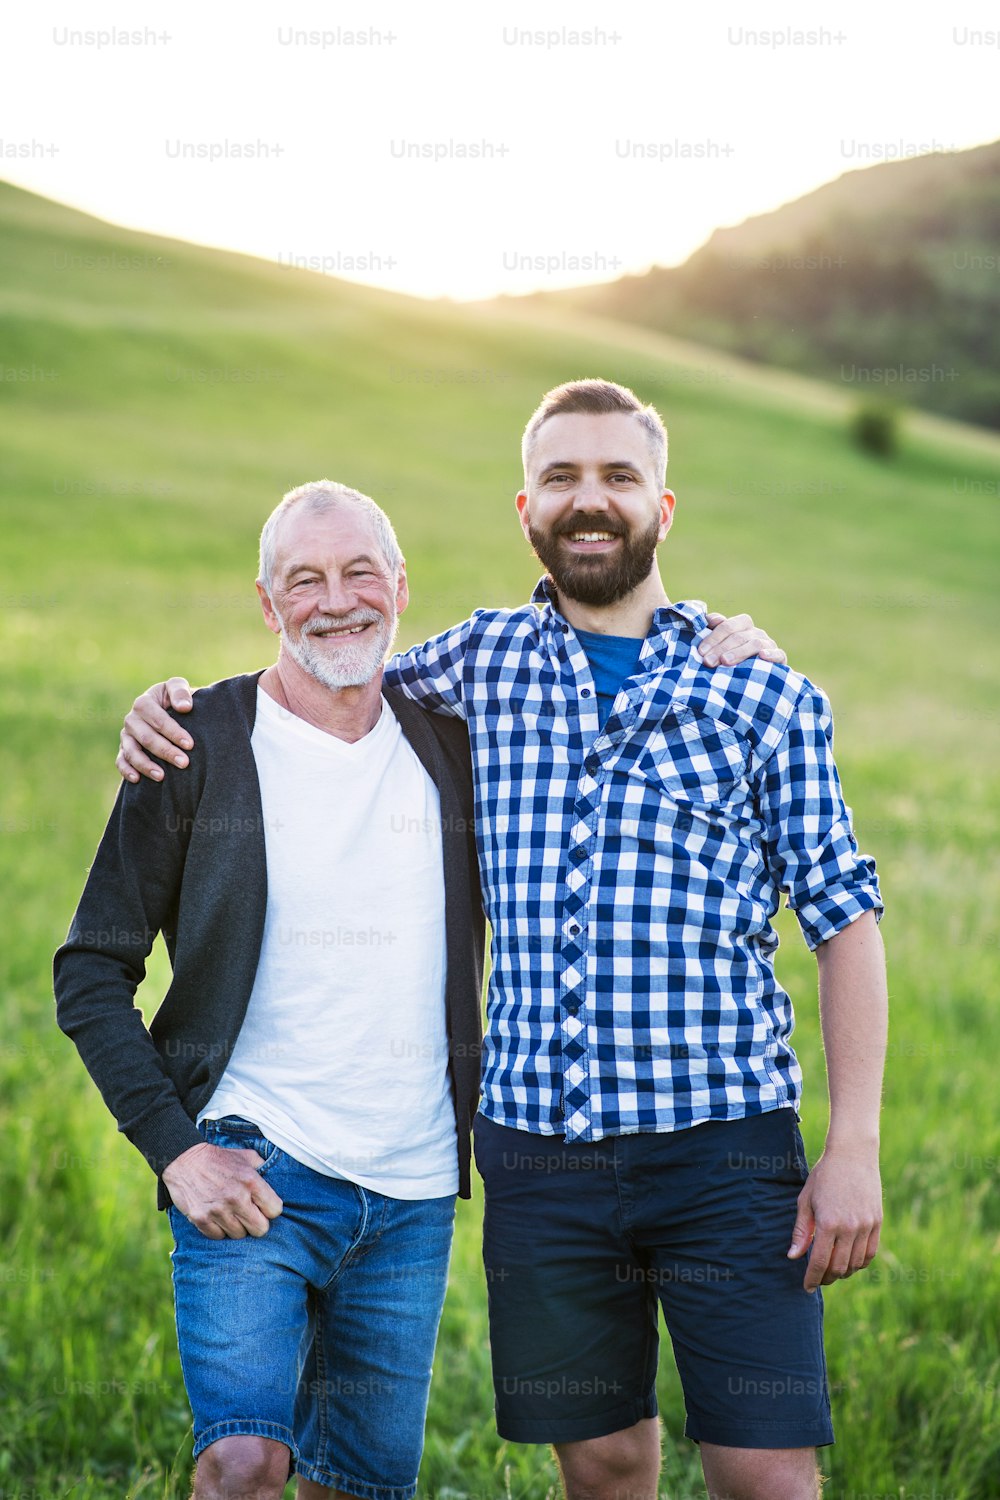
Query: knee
x,y
760,1473
242,1468
621,1466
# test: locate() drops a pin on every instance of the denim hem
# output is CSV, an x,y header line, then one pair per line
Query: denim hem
x,y
364,1489
246,1427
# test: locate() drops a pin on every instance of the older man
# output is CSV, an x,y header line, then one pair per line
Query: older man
x,y
306,1089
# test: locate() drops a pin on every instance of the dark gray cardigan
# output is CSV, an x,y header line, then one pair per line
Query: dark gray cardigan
x,y
185,856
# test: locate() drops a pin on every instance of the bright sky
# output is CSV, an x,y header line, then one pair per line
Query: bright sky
x,y
462,151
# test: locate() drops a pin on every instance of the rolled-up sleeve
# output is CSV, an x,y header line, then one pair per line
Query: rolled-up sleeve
x,y
809,842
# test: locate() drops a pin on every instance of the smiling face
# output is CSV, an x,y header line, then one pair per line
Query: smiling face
x,y
593,506
334,599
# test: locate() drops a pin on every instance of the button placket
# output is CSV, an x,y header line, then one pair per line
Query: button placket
x,y
573,1027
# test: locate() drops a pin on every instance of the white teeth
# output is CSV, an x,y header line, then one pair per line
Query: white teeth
x,y
349,630
591,536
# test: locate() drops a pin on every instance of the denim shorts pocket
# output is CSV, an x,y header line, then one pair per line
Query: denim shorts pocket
x,y
235,1133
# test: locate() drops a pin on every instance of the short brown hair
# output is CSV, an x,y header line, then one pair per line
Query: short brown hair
x,y
597,397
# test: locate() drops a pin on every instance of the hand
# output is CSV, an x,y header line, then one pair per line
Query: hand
x,y
218,1189
733,640
148,727
840,1213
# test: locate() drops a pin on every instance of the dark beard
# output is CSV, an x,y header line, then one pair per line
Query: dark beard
x,y
597,580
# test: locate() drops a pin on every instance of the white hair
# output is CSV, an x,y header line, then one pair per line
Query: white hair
x,y
322,495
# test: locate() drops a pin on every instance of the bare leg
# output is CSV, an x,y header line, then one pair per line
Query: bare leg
x,y
624,1465
242,1468
308,1489
760,1473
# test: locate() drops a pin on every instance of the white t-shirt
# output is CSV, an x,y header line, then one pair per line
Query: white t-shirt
x,y
342,1059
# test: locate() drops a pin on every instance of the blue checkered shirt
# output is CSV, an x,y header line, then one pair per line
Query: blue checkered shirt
x,y
630,872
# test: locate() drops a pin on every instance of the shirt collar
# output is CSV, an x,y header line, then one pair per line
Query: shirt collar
x,y
692,612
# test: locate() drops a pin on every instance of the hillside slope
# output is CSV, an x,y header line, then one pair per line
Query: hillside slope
x,y
886,281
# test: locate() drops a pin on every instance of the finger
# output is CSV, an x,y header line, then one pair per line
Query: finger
x,y
871,1248
839,1263
819,1260
855,1250
747,646
714,618
245,1209
735,647
859,1256
262,1194
132,755
805,1228
266,1199
732,625
148,709
253,1221
232,1227
712,646
161,738
123,768
741,647
206,1226
178,694
231,1217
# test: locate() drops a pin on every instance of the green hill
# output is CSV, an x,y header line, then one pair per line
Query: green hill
x,y
885,281
157,398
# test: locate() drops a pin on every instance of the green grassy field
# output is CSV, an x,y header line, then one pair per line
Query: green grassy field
x,y
154,413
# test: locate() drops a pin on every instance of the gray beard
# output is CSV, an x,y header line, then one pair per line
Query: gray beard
x,y
353,665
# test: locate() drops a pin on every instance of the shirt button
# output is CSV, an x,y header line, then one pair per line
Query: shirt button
x,y
591,764
572,1006
585,693
574,928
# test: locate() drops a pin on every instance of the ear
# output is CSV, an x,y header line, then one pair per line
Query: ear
x,y
667,502
402,589
270,618
521,505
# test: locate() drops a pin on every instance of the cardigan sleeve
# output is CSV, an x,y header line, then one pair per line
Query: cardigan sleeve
x,y
130,896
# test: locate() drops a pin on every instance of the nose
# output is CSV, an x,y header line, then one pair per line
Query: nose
x,y
589,494
336,596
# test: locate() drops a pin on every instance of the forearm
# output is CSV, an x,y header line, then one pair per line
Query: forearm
x,y
130,895
96,1009
432,674
854,1018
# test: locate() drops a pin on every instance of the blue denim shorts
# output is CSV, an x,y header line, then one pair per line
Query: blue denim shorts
x,y
584,1241
321,1333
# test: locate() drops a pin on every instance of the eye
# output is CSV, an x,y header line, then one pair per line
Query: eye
x,y
558,478
627,478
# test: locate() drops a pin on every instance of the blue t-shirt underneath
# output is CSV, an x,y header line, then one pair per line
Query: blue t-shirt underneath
x,y
613,660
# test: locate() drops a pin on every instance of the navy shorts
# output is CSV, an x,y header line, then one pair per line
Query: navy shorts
x,y
583,1241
